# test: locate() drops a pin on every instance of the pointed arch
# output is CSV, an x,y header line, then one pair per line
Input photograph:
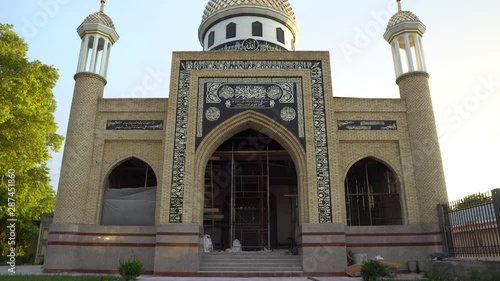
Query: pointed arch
x,y
372,193
129,161
130,188
261,123
376,158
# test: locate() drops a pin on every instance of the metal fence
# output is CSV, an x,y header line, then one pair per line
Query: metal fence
x,y
471,226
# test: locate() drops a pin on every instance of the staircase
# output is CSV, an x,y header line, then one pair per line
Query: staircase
x,y
248,262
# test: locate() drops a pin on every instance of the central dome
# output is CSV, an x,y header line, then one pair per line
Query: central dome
x,y
248,25
215,6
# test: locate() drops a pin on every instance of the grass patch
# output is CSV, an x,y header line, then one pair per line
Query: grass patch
x,y
54,278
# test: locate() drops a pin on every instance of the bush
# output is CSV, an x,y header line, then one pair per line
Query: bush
x,y
130,269
432,277
371,270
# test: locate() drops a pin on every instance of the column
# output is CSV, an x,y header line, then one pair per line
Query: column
x,y
104,58
411,65
397,58
93,59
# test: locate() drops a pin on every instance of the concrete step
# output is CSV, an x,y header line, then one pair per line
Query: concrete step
x,y
249,258
250,269
251,262
249,266
249,254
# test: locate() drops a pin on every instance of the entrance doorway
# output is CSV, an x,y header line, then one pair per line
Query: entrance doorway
x,y
251,194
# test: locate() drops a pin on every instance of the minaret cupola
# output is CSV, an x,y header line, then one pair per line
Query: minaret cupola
x,y
251,25
404,33
98,35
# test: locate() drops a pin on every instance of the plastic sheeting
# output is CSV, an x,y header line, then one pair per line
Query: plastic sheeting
x,y
129,206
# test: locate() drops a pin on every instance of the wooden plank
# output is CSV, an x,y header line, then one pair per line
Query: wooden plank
x,y
213,217
211,210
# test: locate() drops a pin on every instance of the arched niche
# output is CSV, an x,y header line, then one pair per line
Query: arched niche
x,y
130,194
372,194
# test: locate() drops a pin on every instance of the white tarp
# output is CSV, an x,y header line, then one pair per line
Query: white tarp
x,y
129,206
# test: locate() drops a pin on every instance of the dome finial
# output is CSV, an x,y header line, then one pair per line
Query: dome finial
x,y
400,8
102,5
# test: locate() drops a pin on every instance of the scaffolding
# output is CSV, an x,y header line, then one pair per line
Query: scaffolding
x,y
372,196
249,201
245,195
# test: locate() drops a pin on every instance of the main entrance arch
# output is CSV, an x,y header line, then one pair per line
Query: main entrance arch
x,y
251,164
250,193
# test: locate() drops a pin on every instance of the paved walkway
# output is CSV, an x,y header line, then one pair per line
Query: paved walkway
x,y
37,270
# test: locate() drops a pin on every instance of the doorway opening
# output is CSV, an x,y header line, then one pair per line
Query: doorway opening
x,y
251,194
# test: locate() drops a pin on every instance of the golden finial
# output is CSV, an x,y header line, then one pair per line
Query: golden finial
x,y
102,5
400,8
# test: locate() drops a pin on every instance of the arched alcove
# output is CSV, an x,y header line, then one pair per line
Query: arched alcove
x,y
251,193
372,194
251,120
130,194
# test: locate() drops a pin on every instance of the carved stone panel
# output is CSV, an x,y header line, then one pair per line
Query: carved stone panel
x,y
221,98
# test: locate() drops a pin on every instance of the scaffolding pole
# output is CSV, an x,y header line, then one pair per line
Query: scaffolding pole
x,y
268,205
232,196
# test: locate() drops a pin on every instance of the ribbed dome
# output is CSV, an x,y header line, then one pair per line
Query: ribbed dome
x,y
215,6
402,16
100,17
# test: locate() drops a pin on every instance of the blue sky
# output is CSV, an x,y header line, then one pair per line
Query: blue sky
x,y
462,48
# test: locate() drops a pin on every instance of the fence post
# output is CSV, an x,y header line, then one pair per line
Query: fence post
x,y
495,194
445,228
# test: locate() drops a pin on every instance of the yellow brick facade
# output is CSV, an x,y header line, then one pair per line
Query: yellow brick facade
x,y
421,184
107,191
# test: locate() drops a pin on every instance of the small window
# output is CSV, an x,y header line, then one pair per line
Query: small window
x,y
211,39
280,34
231,30
257,29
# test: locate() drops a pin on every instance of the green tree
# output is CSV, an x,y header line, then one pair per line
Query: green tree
x,y
27,135
473,200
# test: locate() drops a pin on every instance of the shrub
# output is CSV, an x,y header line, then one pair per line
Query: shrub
x,y
130,269
371,270
432,277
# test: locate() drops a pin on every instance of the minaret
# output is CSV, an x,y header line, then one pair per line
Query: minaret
x,y
98,34
404,33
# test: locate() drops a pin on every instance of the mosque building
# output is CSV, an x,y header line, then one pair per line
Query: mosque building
x,y
251,146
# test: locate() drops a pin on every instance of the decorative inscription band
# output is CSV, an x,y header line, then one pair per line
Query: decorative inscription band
x,y
367,125
134,125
